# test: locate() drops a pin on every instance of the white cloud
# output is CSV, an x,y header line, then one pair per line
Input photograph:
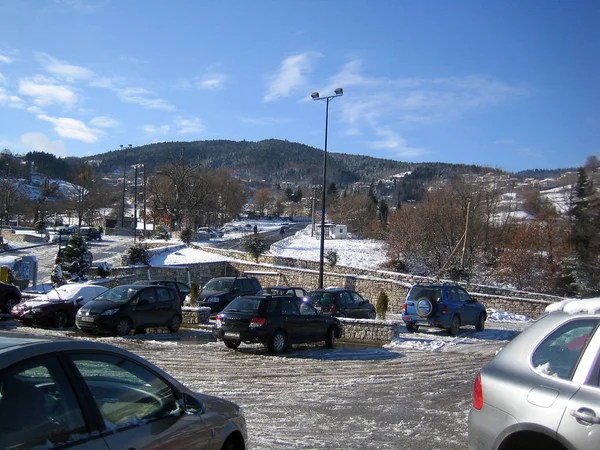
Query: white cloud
x,y
192,125
390,140
72,128
6,59
69,72
35,110
291,75
212,81
143,97
262,121
104,122
40,143
45,93
2,79
154,130
12,101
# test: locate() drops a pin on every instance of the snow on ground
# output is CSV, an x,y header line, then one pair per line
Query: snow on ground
x,y
359,253
184,256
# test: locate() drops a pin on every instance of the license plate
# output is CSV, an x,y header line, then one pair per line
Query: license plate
x,y
231,334
86,319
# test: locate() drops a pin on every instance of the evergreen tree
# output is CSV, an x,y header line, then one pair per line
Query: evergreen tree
x,y
75,258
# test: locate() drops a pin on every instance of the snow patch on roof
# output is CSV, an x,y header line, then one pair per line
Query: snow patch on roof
x,y
574,306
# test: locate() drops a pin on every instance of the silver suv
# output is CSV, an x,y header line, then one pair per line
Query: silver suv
x,y
543,389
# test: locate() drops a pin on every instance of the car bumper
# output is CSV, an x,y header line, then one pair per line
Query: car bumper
x,y
246,335
441,322
96,324
32,319
488,427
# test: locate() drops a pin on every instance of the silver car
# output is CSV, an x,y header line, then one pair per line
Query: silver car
x,y
79,395
542,391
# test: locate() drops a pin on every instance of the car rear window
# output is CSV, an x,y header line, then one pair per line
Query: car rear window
x,y
431,293
244,304
322,299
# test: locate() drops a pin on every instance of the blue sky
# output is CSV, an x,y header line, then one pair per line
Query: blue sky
x,y
509,84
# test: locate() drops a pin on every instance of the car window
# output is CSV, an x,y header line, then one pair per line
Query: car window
x,y
148,295
464,295
357,299
558,354
218,284
306,309
244,304
431,293
289,308
126,393
37,407
346,299
247,286
182,288
164,294
299,293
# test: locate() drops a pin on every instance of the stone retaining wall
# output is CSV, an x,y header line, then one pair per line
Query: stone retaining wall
x,y
369,330
195,315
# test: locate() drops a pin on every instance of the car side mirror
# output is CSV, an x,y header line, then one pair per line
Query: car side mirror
x,y
79,300
192,405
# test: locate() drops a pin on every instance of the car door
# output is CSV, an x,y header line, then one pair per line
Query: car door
x,y
40,409
360,304
469,307
138,408
348,307
295,326
144,311
165,301
580,424
314,329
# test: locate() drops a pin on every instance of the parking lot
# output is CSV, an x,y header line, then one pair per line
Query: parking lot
x,y
353,396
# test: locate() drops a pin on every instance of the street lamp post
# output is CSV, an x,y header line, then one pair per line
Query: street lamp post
x,y
124,184
315,96
135,200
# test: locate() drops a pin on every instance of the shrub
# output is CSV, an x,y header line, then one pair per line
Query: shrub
x,y
186,236
194,294
254,245
331,256
103,270
138,254
382,305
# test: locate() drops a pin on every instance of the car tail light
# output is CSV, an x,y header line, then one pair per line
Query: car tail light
x,y
257,322
477,393
333,309
444,309
404,308
218,320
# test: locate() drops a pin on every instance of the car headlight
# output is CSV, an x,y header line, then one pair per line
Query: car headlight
x,y
212,299
110,312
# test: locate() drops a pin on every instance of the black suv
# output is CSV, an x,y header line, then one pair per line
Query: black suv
x,y
131,307
218,292
342,303
10,295
275,321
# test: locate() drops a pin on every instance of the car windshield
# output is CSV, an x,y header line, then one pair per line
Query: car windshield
x,y
432,293
218,285
320,298
119,294
243,304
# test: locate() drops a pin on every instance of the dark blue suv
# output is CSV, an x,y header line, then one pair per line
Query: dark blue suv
x,y
444,305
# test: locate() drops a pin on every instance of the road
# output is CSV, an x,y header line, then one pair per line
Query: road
x,y
350,397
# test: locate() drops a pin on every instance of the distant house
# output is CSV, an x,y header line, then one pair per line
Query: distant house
x,y
334,231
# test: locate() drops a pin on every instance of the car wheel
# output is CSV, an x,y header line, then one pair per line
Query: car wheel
x,y
9,303
278,342
480,325
232,344
174,324
412,327
60,319
454,326
371,315
123,327
330,337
